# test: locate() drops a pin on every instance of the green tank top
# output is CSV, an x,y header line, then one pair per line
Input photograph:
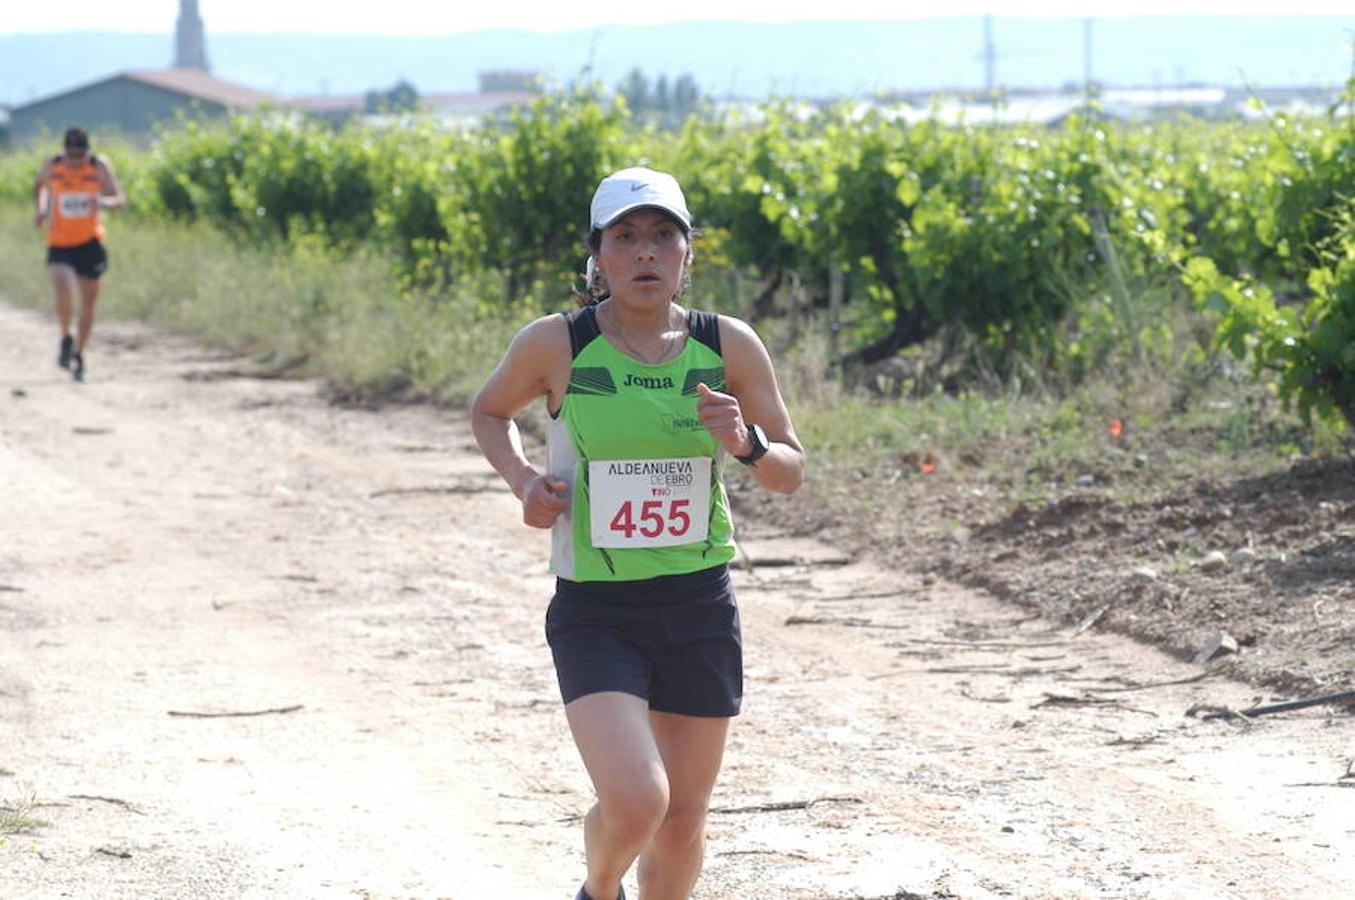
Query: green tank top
x,y
638,460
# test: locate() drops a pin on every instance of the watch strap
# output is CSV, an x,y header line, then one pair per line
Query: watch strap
x,y
760,445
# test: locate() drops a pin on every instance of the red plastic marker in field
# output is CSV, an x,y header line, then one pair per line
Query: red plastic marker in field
x,y
1116,428
928,468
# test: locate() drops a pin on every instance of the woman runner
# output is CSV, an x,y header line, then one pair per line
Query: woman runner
x,y
646,401
69,192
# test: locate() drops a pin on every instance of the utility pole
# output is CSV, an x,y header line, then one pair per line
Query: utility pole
x,y
589,66
1087,59
989,58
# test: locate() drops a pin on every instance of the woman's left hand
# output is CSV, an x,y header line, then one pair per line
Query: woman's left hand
x,y
723,418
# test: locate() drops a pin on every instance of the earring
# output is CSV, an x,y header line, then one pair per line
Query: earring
x,y
596,286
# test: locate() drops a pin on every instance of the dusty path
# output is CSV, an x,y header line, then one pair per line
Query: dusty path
x,y
177,538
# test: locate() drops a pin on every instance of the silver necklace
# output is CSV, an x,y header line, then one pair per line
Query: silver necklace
x,y
674,335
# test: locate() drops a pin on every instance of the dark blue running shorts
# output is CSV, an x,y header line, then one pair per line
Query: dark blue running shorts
x,y
672,640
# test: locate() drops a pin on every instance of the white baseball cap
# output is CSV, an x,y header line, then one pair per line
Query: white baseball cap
x,y
637,187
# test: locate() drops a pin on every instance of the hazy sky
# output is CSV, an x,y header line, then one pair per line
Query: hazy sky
x,y
420,17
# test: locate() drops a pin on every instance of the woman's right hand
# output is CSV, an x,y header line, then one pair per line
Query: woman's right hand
x,y
543,499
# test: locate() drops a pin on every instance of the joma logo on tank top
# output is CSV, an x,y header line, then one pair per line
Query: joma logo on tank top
x,y
646,381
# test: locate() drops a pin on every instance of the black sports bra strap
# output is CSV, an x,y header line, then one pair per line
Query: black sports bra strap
x,y
583,328
705,327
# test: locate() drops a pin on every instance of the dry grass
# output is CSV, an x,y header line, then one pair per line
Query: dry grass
x,y
16,815
346,314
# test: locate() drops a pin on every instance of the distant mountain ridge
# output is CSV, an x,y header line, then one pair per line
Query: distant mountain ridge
x,y
729,59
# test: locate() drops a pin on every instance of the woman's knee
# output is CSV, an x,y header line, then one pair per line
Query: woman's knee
x,y
637,808
683,825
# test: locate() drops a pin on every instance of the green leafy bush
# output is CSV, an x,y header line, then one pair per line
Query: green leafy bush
x,y
1309,347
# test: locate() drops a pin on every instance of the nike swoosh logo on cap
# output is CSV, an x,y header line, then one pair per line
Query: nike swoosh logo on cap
x,y
639,186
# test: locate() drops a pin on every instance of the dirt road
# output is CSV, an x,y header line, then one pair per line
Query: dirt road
x,y
178,537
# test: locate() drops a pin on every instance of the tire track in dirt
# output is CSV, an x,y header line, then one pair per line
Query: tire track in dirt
x,y
177,537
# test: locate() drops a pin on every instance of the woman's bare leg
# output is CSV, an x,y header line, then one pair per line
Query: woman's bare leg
x,y
89,294
692,749
63,281
612,732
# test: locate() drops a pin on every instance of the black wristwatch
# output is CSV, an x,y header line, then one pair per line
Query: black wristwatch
x,y
759,439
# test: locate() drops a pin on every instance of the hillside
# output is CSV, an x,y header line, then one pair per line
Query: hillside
x,y
813,59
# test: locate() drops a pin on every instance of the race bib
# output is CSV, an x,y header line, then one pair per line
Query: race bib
x,y
649,502
76,206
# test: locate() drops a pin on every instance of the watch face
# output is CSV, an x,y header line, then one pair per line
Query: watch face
x,y
759,439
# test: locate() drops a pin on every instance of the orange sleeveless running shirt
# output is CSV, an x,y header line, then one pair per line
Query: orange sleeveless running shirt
x,y
75,203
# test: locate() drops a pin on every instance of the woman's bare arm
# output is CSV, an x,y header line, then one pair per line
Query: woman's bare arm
x,y
535,365
110,191
41,195
753,398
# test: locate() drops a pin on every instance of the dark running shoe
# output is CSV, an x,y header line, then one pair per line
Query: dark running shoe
x,y
78,366
67,345
583,895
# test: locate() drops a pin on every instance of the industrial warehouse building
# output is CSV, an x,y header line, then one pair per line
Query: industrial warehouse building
x,y
132,103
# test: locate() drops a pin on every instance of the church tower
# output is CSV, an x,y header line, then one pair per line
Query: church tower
x,y
190,42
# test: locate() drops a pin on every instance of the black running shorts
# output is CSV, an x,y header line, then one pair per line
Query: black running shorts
x,y
89,260
672,640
